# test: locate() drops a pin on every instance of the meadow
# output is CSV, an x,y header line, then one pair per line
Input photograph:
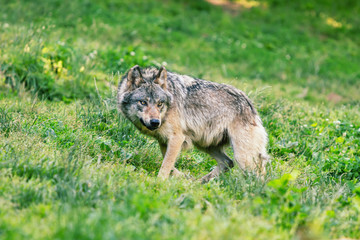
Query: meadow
x,y
71,167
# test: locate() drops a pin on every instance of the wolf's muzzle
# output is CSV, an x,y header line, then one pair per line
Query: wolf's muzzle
x,y
154,124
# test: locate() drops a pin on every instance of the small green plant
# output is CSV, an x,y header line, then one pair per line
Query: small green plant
x,y
283,201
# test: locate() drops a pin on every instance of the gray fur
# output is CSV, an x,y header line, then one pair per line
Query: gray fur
x,y
196,112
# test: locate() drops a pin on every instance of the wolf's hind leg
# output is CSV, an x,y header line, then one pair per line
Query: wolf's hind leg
x,y
249,145
224,163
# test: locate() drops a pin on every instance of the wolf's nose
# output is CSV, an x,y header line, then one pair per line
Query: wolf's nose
x,y
154,122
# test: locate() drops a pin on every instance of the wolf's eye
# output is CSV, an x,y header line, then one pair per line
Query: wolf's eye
x,y
160,104
142,103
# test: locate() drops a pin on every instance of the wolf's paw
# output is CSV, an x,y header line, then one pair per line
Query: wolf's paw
x,y
177,173
211,175
206,178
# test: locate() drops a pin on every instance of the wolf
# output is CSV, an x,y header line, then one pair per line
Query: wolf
x,y
182,111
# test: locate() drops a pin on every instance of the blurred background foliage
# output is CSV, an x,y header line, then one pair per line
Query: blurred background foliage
x,y
304,49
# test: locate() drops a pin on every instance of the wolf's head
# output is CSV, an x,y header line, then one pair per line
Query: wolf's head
x,y
143,96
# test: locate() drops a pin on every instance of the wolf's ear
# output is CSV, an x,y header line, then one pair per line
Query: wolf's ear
x,y
134,77
161,78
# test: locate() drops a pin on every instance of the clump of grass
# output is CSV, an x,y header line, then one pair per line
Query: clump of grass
x,y
57,70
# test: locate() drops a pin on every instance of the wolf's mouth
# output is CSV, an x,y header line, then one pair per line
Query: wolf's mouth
x,y
151,128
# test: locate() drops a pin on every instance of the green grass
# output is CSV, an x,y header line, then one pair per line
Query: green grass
x,y
72,168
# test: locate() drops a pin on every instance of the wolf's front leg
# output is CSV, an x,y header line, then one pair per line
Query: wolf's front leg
x,y
172,151
175,172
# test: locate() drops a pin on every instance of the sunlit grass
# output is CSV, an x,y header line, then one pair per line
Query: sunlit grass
x,y
235,5
71,167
